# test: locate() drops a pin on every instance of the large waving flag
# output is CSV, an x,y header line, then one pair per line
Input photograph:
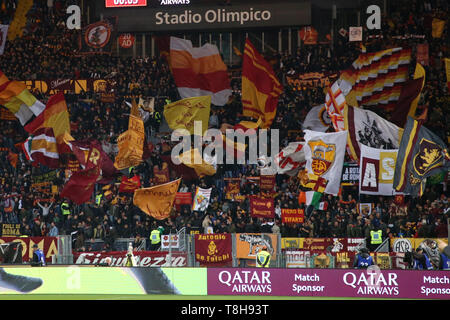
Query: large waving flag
x,y
16,98
193,159
324,154
41,147
421,154
81,184
81,151
317,119
375,78
157,201
55,116
183,113
199,71
260,87
131,144
290,159
368,128
409,97
335,103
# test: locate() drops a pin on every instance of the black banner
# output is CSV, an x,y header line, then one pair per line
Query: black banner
x,y
195,17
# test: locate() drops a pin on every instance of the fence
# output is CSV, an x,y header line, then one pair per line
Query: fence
x,y
286,252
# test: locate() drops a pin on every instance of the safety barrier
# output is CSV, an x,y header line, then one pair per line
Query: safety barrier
x,y
371,283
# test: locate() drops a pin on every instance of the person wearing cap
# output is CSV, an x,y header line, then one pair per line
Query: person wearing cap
x,y
38,257
363,259
263,258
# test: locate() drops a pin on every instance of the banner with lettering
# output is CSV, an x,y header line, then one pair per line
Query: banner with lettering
x,y
11,230
322,244
311,80
350,174
143,258
410,244
292,216
262,207
49,245
183,198
77,86
213,249
267,184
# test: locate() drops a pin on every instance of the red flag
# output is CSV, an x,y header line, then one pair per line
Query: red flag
x,y
262,207
128,185
80,186
81,149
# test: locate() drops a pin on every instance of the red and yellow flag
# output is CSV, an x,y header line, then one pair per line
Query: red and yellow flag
x,y
129,185
260,87
55,116
157,201
15,96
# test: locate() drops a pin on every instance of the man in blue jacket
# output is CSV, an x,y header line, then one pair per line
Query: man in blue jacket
x,y
421,260
445,259
363,259
38,257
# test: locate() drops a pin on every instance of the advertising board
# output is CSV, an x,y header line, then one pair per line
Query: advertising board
x,y
374,283
103,280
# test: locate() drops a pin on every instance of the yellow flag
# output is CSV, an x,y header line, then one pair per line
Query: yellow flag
x,y
157,201
418,73
135,109
437,26
193,159
447,68
130,144
182,113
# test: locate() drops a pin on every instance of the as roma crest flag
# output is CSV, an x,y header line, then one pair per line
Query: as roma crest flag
x,y
262,207
157,201
260,87
213,249
421,154
324,154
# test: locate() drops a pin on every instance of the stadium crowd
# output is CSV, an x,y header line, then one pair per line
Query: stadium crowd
x,y
45,51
